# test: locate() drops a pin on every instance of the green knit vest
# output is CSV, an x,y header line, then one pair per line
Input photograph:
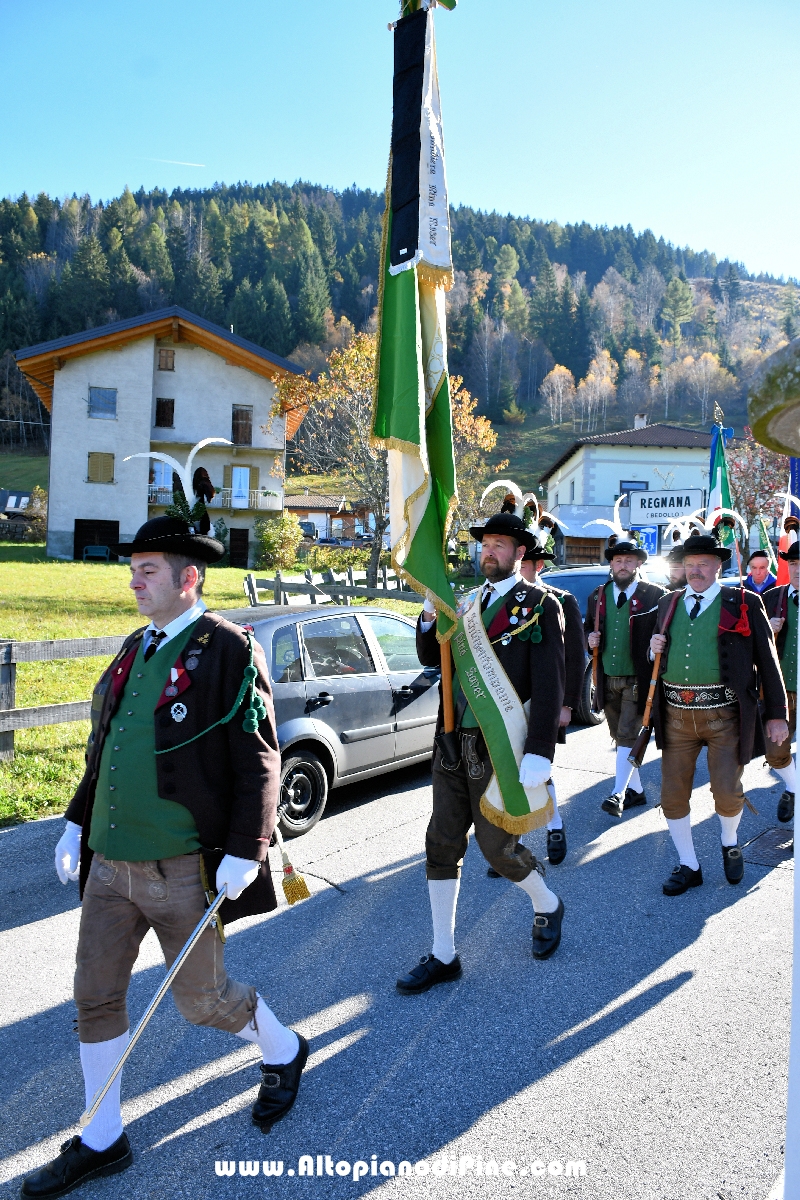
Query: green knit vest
x,y
693,649
617,649
130,821
468,720
789,656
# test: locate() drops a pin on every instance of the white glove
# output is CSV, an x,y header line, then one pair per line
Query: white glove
x,y
237,873
68,853
534,770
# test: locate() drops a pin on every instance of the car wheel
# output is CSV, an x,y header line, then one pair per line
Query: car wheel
x,y
584,714
303,794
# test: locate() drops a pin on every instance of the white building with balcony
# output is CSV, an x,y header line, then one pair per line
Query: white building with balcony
x,y
162,381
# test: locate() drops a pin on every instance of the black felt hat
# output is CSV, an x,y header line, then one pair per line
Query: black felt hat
x,y
539,550
626,546
510,525
172,535
792,554
705,543
676,553
757,553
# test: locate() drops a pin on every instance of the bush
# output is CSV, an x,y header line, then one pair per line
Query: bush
x,y
277,539
37,514
339,558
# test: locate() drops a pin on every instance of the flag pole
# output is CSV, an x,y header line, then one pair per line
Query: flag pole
x,y
447,688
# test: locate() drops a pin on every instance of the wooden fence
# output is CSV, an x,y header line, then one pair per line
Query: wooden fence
x,y
343,590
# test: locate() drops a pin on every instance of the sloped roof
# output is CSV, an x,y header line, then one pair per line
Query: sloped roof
x,y
39,363
329,503
673,437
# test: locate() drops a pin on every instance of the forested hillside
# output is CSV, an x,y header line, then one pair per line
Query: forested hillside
x,y
629,322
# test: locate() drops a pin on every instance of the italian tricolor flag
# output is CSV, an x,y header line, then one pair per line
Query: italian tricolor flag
x,y
411,414
719,488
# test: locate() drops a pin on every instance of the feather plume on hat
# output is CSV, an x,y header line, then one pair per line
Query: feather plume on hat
x,y
195,484
616,525
717,516
790,522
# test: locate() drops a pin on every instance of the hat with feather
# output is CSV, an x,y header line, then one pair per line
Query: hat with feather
x,y
520,517
621,541
705,535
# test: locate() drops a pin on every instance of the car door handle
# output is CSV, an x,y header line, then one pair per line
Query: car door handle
x,y
404,691
321,700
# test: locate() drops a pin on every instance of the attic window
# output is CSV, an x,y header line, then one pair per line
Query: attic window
x,y
166,360
103,403
242,425
165,413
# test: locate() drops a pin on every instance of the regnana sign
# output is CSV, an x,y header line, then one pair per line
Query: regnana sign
x,y
659,508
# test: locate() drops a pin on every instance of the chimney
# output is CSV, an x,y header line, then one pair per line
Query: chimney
x,y
640,421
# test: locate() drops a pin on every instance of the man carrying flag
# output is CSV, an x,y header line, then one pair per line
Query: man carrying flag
x,y
412,419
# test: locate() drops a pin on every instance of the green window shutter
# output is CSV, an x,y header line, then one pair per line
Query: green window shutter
x,y
227,476
254,473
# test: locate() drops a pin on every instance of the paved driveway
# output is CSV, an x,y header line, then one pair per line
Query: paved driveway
x,y
652,1047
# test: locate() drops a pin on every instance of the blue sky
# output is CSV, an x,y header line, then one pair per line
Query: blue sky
x,y
680,117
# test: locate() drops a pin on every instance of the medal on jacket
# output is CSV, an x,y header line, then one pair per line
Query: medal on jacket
x,y
514,619
178,711
173,691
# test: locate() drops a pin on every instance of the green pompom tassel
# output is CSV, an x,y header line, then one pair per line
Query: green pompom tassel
x,y
250,672
250,723
536,634
260,708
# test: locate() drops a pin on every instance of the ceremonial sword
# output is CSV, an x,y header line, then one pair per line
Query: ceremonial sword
x,y
208,917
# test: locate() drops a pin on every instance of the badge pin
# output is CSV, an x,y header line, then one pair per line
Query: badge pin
x,y
178,712
513,620
171,690
191,663
520,596
506,640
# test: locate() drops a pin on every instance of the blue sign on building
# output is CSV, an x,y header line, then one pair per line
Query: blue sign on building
x,y
648,536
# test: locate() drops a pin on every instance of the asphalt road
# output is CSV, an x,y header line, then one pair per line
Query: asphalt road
x,y
652,1047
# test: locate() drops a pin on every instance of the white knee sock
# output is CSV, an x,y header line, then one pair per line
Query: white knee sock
x,y
681,830
443,895
544,901
555,821
623,767
97,1060
728,827
788,775
278,1045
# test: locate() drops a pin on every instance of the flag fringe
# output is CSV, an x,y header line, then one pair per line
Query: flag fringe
x,y
517,825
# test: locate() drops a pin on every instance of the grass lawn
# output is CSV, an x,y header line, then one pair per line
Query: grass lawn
x,y
41,598
23,471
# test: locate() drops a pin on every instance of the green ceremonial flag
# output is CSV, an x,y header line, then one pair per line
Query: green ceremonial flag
x,y
719,488
411,414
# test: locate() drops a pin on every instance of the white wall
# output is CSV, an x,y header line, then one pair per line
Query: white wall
x,y
74,433
598,471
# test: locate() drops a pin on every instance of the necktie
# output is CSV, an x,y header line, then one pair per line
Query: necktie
x,y
698,604
487,597
155,641
621,599
794,599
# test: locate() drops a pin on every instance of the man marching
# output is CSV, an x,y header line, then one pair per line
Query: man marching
x,y
781,604
609,613
508,650
180,789
715,642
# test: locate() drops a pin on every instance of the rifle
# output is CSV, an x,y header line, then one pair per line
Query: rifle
x,y
596,649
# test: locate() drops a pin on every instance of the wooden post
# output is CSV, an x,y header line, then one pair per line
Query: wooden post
x,y
384,578
8,687
277,587
350,583
447,688
310,579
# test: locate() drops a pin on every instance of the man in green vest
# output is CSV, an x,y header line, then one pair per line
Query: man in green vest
x,y
713,641
609,613
781,604
180,790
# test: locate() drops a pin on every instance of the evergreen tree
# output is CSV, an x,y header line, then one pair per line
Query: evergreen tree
x,y
178,255
201,291
677,308
466,255
789,305
83,295
154,255
545,309
324,236
121,277
279,334
313,300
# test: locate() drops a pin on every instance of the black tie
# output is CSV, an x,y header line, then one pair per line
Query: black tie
x,y
487,596
698,604
794,599
156,639
621,599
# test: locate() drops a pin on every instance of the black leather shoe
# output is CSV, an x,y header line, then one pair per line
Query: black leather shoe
x,y
75,1164
547,931
279,1088
427,974
614,804
556,846
733,863
493,874
634,799
681,879
786,807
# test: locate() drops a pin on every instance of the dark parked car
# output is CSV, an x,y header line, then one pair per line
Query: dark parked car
x,y
329,541
309,530
351,700
581,581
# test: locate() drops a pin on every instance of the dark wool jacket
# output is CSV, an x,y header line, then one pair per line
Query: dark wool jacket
x,y
536,669
228,779
746,660
646,596
574,644
776,603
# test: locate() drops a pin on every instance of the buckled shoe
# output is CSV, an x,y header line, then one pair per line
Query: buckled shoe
x,y
614,804
279,1088
733,862
786,807
428,972
556,846
681,879
547,931
75,1165
634,799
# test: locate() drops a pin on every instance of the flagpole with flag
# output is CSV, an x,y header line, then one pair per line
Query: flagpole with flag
x,y
411,413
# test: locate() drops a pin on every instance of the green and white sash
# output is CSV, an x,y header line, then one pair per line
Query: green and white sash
x,y
503,720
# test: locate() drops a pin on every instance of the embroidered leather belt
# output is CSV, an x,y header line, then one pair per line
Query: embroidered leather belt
x,y
701,695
